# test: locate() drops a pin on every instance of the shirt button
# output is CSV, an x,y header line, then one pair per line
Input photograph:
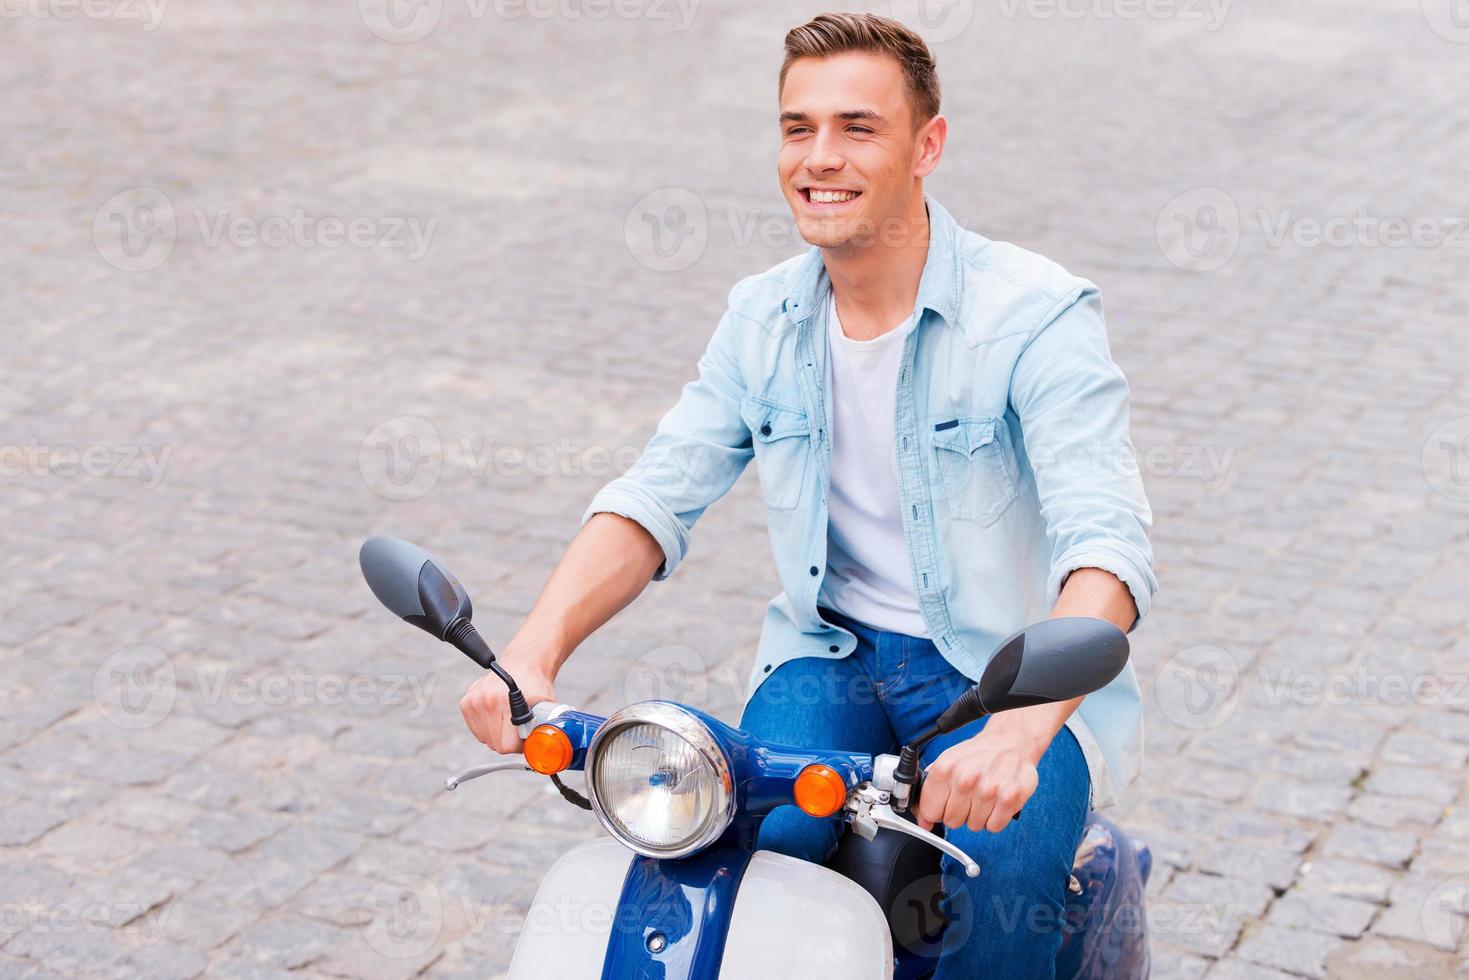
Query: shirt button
x,y
765,429
834,648
815,570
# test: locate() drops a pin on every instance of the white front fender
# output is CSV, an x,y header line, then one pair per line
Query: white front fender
x,y
791,918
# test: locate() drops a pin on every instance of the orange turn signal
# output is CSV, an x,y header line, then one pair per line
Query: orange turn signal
x,y
547,750
820,790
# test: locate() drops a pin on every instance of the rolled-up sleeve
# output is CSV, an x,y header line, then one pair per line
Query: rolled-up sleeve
x,y
1072,402
701,447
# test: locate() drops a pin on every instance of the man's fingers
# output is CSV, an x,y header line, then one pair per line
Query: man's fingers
x,y
931,804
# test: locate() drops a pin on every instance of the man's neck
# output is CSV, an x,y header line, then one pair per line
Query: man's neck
x,y
876,283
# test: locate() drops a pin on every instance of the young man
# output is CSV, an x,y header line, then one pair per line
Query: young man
x,y
942,442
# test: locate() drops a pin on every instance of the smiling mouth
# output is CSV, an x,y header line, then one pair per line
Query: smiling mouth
x,y
814,195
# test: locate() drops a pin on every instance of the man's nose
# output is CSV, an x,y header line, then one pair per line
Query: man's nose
x,y
824,157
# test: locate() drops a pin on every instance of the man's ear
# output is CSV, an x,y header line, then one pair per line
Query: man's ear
x,y
929,146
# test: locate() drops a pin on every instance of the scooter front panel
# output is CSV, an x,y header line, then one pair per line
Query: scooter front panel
x,y
793,918
569,921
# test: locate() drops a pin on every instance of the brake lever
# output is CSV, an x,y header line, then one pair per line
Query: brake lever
x,y
474,772
869,810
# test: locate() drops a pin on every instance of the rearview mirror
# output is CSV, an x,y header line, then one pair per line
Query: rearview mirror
x,y
1054,660
413,586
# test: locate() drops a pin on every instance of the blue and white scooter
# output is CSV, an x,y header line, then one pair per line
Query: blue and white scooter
x,y
682,794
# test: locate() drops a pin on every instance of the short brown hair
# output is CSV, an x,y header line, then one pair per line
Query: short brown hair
x,y
829,34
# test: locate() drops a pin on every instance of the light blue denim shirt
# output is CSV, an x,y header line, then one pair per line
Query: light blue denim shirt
x,y
1014,460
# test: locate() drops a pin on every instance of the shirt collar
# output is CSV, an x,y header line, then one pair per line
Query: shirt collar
x,y
938,288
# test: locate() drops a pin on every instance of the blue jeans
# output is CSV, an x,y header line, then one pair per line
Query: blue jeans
x,y
889,691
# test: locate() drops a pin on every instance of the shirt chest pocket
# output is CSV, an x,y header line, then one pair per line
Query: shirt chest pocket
x,y
976,472
782,440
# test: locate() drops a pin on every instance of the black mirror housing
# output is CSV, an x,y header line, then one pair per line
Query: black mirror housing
x,y
1051,661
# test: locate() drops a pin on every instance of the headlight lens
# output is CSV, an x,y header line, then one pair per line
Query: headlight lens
x,y
659,780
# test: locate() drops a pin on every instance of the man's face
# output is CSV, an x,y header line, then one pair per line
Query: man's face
x,y
849,154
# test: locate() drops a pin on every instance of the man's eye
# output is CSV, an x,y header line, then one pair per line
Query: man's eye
x,y
798,131
862,130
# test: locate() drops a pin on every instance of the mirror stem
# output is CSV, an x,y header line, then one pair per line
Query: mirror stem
x,y
462,635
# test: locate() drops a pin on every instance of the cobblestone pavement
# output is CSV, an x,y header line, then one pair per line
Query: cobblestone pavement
x,y
279,276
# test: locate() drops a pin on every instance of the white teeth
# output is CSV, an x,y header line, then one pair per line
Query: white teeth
x,y
831,197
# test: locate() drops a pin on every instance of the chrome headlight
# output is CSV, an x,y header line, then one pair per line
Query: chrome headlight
x,y
659,780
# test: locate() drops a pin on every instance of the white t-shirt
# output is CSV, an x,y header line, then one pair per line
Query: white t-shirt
x,y
868,576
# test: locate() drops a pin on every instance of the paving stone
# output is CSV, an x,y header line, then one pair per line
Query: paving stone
x,y
1291,950
286,943
1395,812
1344,917
1374,958
1233,969
1424,784
24,820
1393,848
232,832
1348,879
1273,866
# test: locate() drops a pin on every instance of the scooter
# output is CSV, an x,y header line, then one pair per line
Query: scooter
x,y
682,794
